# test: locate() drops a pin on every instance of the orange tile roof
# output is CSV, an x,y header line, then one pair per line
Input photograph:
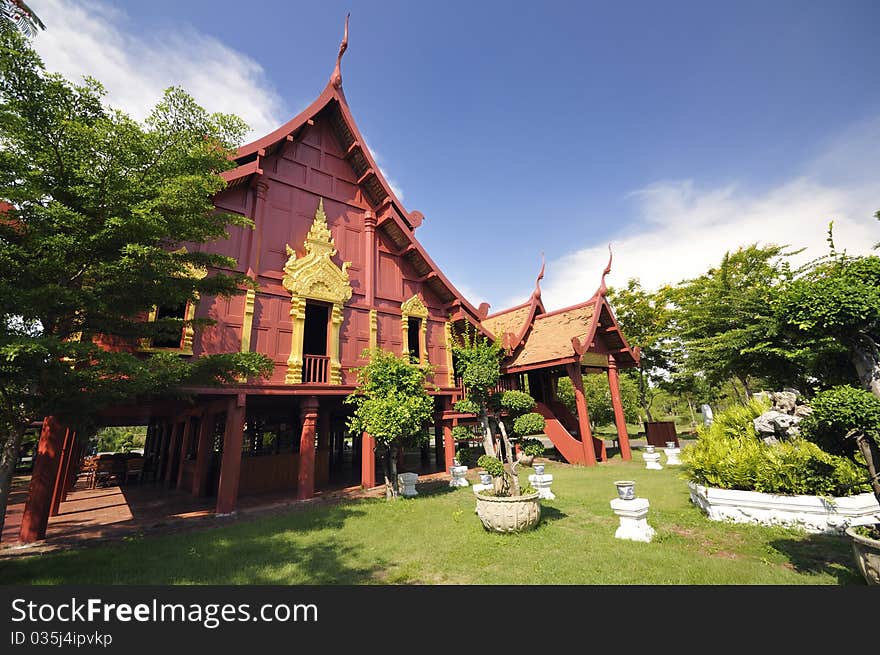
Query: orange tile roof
x,y
550,336
509,320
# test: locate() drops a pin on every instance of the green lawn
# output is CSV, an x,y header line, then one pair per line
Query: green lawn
x,y
438,539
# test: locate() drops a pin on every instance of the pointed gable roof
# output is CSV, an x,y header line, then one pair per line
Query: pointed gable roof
x,y
392,218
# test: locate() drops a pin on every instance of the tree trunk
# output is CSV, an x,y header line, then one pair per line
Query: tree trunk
x,y
739,398
488,442
514,477
8,462
746,388
643,396
691,410
871,453
866,359
390,466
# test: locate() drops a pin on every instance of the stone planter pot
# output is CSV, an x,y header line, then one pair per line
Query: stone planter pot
x,y
509,513
626,489
539,469
485,478
867,554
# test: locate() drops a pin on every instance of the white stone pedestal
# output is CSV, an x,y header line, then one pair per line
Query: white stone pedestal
x,y
542,484
407,483
458,479
652,461
672,456
633,519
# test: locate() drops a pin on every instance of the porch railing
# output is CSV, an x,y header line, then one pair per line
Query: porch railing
x,y
315,369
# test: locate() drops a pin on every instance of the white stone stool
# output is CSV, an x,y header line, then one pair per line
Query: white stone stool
x,y
672,456
633,519
542,484
407,482
652,460
458,479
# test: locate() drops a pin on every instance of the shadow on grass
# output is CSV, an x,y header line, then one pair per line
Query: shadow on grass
x,y
551,514
821,554
284,549
436,488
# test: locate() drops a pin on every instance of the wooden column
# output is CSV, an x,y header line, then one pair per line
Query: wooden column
x,y
370,257
574,372
305,481
203,455
184,449
438,438
322,461
73,469
619,419
368,461
164,440
173,447
36,510
448,446
230,466
61,475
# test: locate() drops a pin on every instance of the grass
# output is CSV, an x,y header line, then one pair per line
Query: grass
x,y
437,538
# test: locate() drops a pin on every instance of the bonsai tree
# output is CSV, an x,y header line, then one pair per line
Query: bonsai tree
x,y
846,421
392,405
478,361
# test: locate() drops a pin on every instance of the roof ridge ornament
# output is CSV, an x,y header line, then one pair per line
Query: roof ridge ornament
x,y
603,288
336,77
537,292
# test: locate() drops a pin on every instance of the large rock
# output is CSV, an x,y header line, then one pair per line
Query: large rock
x,y
774,424
765,425
785,401
803,410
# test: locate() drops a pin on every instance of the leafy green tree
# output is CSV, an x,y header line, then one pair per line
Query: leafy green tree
x,y
120,439
645,318
837,298
392,404
96,209
598,396
726,322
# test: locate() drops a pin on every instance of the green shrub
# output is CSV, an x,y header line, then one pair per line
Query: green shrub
x,y
467,406
837,411
462,433
531,423
517,402
729,455
492,465
464,455
532,447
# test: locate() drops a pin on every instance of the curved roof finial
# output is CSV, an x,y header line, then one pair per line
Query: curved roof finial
x,y
537,293
603,288
336,78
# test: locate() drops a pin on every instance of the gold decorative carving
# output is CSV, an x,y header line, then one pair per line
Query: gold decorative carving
x,y
374,329
415,307
314,276
248,322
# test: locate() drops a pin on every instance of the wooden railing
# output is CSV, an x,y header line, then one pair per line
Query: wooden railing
x,y
315,369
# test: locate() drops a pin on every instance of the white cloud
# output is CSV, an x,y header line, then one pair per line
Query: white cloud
x,y
682,229
94,39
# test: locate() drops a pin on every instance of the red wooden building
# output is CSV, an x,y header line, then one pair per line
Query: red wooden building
x,y
340,270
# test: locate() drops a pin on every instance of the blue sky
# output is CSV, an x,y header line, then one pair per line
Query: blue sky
x,y
673,130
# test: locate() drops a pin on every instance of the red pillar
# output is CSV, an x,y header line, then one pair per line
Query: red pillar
x,y
230,465
305,480
448,446
36,510
574,372
619,420
322,463
370,257
174,446
73,469
368,461
184,449
61,476
438,438
203,455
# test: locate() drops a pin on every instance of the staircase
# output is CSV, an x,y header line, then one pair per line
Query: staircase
x,y
568,446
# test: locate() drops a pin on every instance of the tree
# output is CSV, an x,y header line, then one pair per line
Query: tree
x,y
478,362
838,298
96,209
598,396
726,322
392,405
645,318
15,15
